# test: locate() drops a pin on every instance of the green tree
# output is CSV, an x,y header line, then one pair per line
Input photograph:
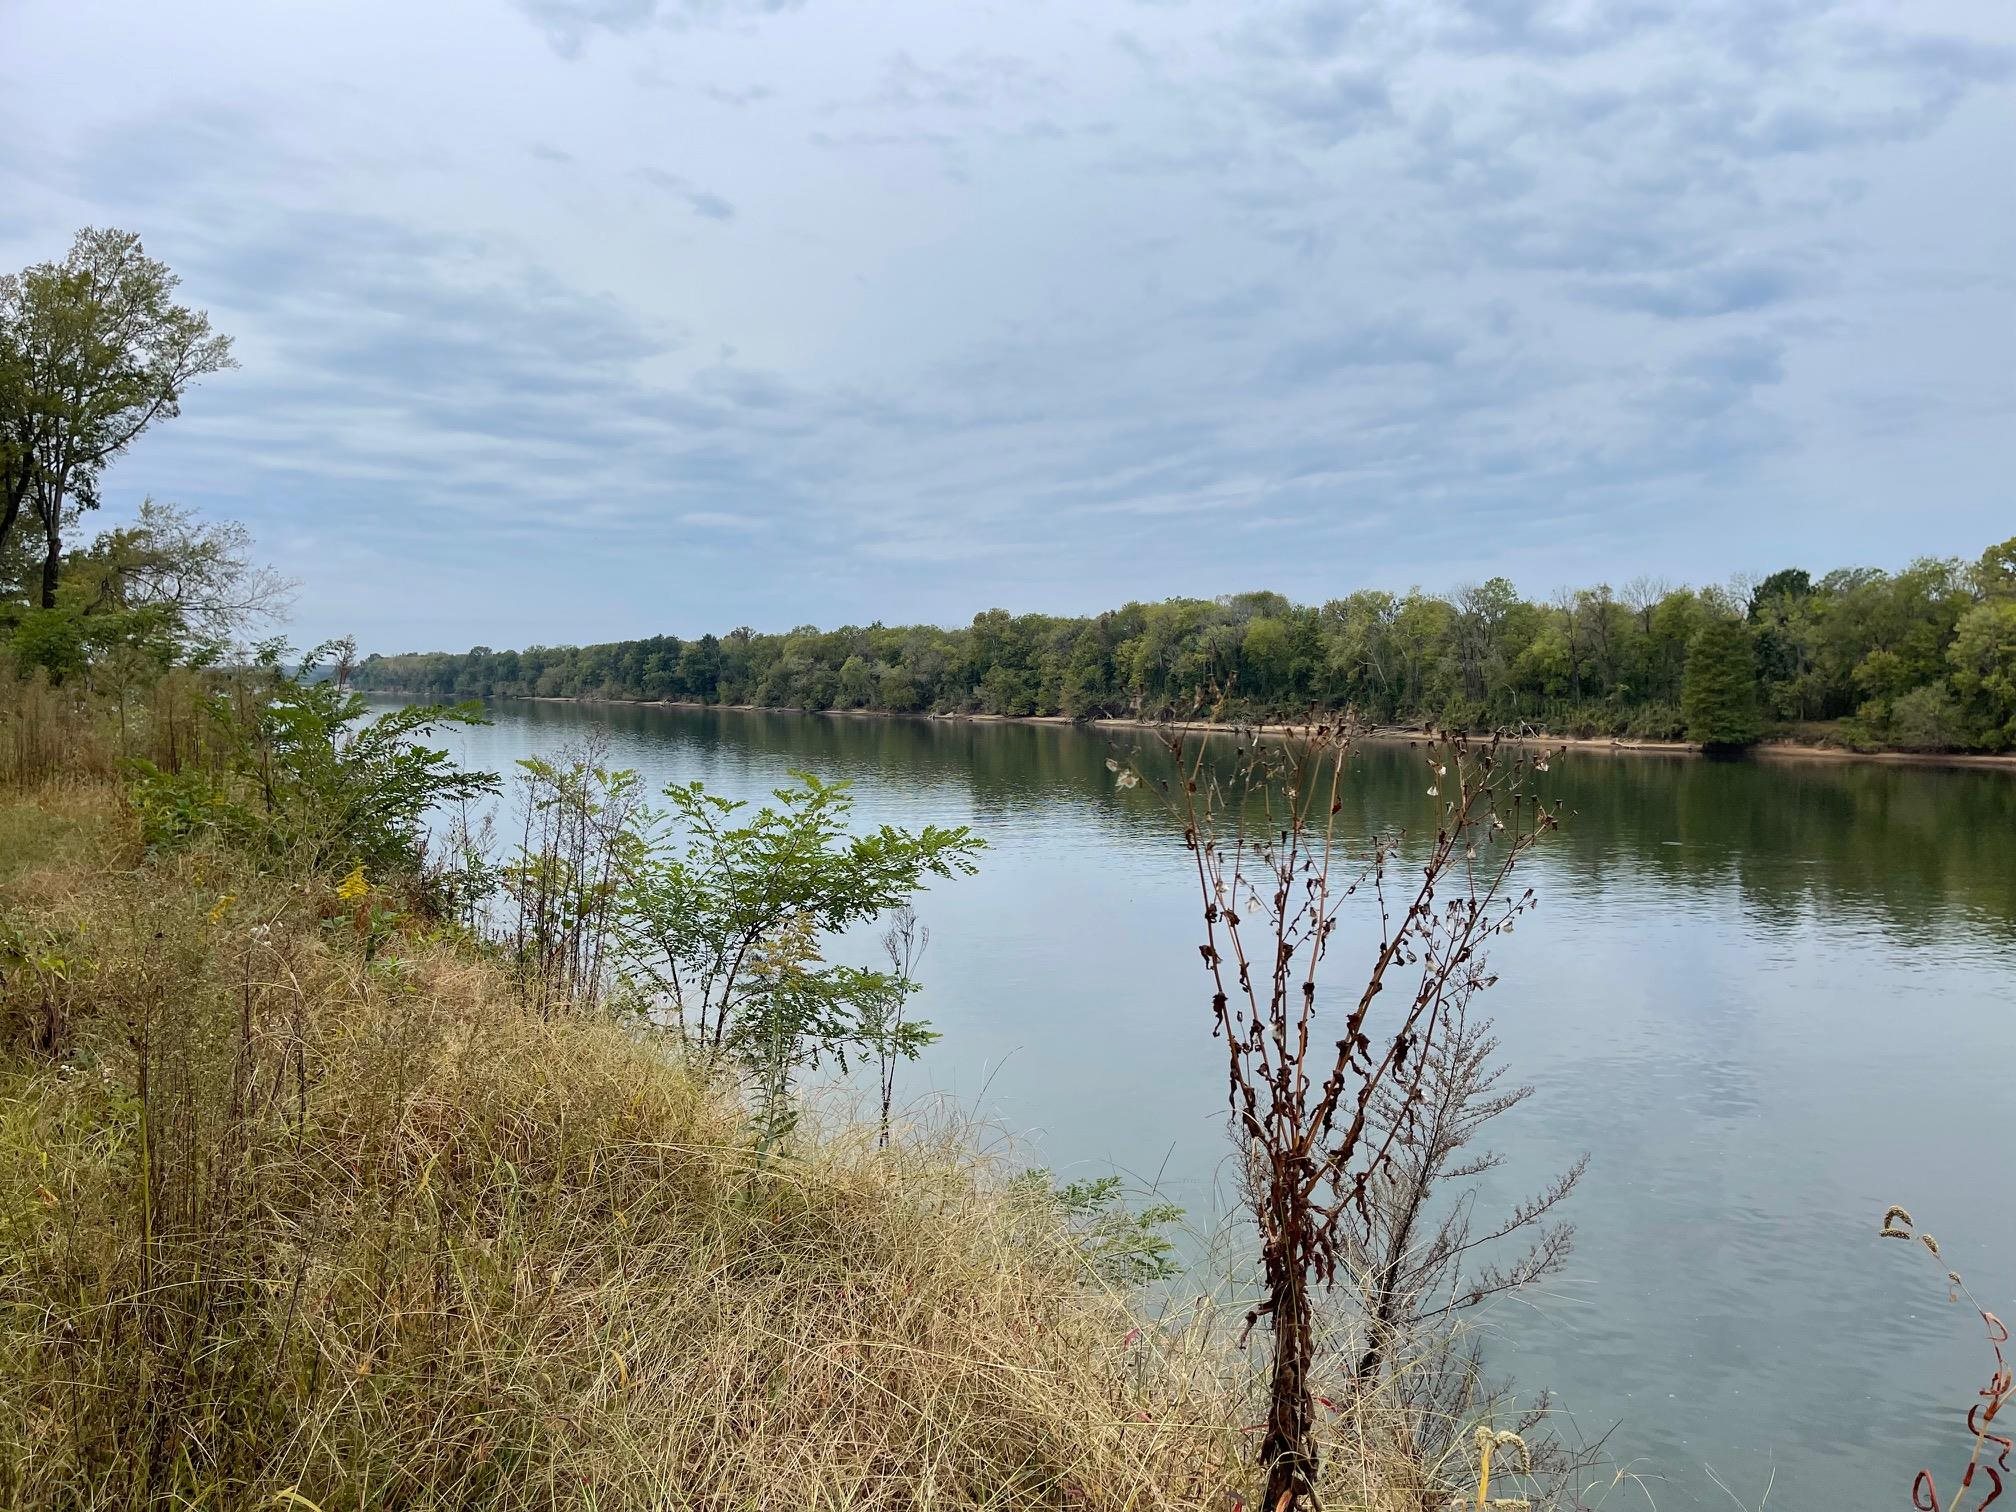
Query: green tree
x,y
725,917
1360,659
896,690
1718,694
197,576
857,682
1543,665
1983,657
1995,572
93,351
1483,613
1267,654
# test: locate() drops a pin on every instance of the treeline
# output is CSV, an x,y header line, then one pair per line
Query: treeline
x,y
1923,659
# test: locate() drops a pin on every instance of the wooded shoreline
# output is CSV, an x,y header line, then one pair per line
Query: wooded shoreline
x,y
1768,750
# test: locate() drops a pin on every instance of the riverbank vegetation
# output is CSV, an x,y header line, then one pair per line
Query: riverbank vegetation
x,y
1920,659
310,1199
350,1160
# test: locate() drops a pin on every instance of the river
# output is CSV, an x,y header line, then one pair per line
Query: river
x,y
1767,999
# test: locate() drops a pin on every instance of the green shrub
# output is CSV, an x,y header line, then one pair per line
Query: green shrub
x,y
1926,719
309,777
1657,721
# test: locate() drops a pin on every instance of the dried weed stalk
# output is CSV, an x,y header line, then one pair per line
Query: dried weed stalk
x,y
1993,1397
1308,1079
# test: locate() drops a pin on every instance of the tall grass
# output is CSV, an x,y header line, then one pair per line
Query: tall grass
x,y
284,1225
76,732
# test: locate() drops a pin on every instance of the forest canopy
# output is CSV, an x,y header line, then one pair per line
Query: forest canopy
x,y
1923,658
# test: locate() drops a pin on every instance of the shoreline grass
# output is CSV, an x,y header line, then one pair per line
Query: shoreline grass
x,y
284,1225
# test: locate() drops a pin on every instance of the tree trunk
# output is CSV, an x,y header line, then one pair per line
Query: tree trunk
x,y
52,567
17,494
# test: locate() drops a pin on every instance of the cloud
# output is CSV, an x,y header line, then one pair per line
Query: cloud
x,y
972,80
744,388
1326,27
830,315
1745,361
1373,344
712,206
1339,104
701,202
1704,293
568,24
1550,28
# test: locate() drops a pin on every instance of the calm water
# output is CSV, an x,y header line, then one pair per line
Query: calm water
x,y
1768,999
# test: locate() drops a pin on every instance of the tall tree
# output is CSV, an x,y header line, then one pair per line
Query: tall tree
x,y
93,350
1983,656
1718,697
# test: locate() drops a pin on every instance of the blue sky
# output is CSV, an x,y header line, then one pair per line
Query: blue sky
x,y
565,320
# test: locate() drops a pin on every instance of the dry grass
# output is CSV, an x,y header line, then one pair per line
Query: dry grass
x,y
280,1226
78,733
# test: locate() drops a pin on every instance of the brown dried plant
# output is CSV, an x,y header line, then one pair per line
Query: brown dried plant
x,y
1993,1397
1308,1079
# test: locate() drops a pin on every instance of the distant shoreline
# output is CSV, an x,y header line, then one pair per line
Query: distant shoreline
x,y
1769,750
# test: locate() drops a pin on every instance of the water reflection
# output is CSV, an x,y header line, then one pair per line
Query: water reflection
x,y
1888,843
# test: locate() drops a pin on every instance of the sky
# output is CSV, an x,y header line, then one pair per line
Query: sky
x,y
572,320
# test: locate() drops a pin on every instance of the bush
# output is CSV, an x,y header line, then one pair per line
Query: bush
x,y
1926,719
305,778
1657,721
1464,714
54,640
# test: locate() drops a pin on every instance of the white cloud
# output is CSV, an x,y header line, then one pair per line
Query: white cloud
x,y
578,318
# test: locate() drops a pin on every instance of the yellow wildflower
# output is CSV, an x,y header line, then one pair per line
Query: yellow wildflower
x,y
354,886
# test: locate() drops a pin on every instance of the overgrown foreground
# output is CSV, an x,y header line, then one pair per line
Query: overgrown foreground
x,y
284,1225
